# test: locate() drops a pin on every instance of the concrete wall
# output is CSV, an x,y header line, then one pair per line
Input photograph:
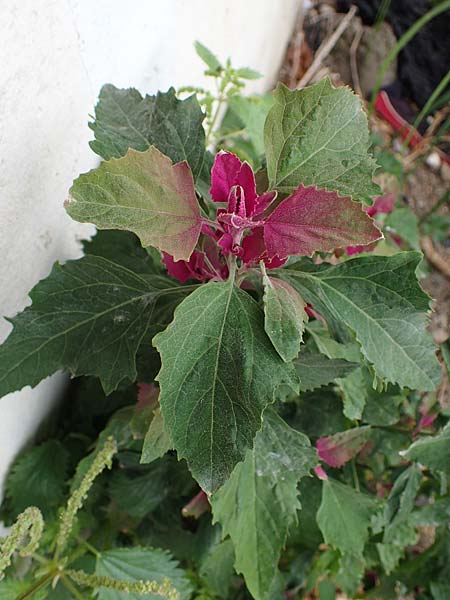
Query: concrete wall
x,y
54,57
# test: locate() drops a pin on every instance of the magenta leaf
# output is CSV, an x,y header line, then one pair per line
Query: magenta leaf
x,y
145,193
320,473
315,220
339,448
148,395
382,205
223,175
254,250
185,269
227,173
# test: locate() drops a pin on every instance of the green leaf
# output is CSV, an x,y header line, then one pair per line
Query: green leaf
x,y
440,591
319,413
118,427
135,564
124,119
284,317
316,370
207,57
319,136
37,478
354,384
219,371
252,112
143,193
344,517
125,249
382,408
400,502
437,513
157,441
404,223
354,388
217,568
11,590
391,553
247,73
327,590
380,299
88,317
350,573
140,493
259,502
432,451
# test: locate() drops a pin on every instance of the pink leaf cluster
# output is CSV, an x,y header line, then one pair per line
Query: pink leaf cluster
x,y
335,450
256,227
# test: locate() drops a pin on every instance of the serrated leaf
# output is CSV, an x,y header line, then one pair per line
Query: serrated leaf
x,y
391,553
400,502
88,317
259,502
145,193
344,517
284,317
140,493
219,371
316,370
354,390
157,441
315,220
124,119
382,408
207,57
339,448
37,478
217,568
140,564
353,385
380,299
432,451
350,573
319,136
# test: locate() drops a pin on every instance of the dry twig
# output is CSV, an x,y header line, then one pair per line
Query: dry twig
x,y
354,61
434,257
326,47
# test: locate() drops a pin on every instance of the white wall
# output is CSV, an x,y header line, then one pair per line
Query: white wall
x,y
54,57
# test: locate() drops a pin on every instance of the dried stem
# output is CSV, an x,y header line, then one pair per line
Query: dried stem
x,y
326,47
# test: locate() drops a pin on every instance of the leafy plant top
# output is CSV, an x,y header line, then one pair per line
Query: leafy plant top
x,y
285,376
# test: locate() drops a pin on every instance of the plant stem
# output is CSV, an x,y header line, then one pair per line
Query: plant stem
x,y
40,559
72,589
88,546
37,586
355,475
231,259
214,118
